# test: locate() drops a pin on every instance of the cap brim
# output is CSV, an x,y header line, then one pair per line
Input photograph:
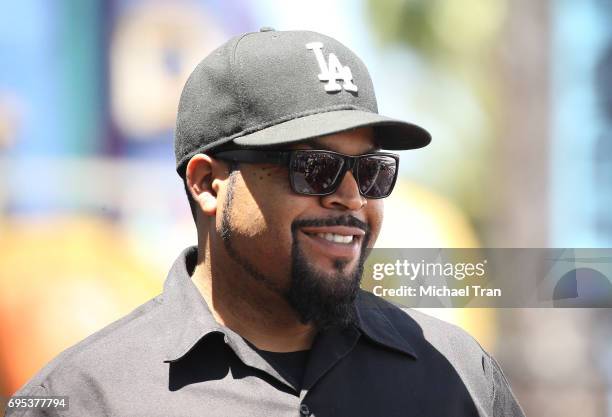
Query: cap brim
x,y
390,133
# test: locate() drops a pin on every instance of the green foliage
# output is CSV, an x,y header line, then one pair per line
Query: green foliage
x,y
404,21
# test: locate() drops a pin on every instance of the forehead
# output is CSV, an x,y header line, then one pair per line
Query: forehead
x,y
352,142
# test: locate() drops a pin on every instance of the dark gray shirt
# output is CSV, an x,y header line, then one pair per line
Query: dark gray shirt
x,y
169,357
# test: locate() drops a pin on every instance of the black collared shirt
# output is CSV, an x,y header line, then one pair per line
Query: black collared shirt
x,y
169,357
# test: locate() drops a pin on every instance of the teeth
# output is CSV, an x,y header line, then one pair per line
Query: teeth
x,y
333,237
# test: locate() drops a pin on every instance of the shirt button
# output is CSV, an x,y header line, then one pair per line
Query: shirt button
x,y
304,410
225,339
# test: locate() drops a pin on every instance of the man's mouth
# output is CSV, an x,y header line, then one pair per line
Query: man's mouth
x,y
335,241
336,238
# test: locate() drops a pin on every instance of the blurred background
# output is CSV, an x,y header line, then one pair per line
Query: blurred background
x,y
516,93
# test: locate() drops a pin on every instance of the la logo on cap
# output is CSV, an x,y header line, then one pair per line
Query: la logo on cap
x,y
332,71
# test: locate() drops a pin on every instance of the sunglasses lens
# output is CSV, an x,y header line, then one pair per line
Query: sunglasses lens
x,y
315,172
376,175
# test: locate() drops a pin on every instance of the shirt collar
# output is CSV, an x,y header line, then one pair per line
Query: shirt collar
x,y
190,319
377,326
188,314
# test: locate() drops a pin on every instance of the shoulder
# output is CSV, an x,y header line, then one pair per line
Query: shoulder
x,y
114,343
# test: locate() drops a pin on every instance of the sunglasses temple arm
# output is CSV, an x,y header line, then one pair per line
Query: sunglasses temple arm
x,y
255,156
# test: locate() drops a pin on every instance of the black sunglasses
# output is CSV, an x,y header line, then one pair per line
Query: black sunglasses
x,y
320,172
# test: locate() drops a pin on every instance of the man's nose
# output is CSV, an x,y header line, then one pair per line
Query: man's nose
x,y
346,196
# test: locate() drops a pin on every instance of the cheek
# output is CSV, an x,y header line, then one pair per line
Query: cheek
x,y
258,215
247,219
261,227
264,193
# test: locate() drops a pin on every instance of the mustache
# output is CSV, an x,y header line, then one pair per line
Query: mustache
x,y
346,220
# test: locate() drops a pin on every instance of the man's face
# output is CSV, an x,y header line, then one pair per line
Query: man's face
x,y
291,242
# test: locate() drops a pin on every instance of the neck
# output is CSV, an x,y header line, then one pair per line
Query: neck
x,y
247,306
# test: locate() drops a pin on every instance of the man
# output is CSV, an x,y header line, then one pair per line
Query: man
x,y
279,142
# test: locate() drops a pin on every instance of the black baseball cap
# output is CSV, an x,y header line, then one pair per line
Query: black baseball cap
x,y
270,87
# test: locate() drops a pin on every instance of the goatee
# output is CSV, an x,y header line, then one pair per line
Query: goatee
x,y
325,299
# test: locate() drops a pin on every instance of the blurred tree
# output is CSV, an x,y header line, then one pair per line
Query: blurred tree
x,y
445,29
456,42
497,52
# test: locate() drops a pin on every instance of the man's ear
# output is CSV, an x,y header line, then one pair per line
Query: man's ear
x,y
202,178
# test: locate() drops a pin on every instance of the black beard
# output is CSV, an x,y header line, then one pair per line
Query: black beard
x,y
325,300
